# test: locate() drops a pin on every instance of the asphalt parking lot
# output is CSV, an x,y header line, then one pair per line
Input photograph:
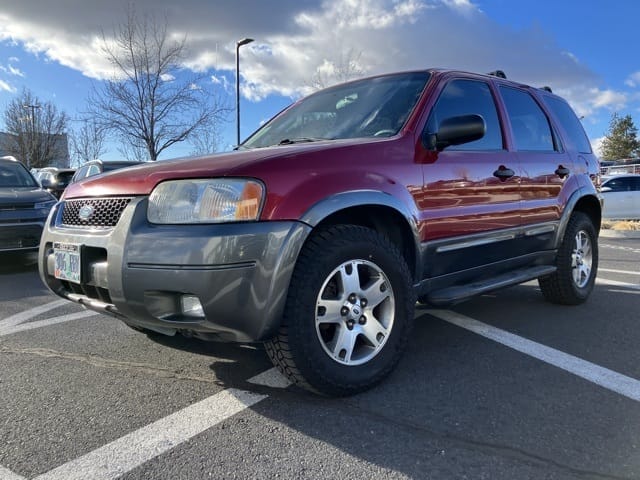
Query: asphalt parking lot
x,y
504,386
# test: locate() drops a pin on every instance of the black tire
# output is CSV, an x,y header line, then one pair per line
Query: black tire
x,y
577,263
307,348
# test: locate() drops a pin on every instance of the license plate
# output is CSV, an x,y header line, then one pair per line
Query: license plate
x,y
67,257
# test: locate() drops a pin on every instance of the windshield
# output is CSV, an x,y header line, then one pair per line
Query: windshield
x,y
373,107
14,174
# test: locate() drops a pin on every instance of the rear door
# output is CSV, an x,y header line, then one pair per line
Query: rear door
x,y
545,166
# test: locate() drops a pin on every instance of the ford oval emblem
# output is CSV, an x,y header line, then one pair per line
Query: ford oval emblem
x,y
85,212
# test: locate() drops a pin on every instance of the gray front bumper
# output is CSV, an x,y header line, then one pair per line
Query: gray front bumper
x,y
138,272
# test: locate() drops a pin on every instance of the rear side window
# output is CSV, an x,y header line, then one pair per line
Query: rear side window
x,y
622,184
569,122
529,124
464,97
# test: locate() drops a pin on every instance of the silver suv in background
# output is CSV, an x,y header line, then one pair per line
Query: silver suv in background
x,y
96,167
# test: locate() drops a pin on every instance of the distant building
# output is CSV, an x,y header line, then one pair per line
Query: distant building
x,y
61,150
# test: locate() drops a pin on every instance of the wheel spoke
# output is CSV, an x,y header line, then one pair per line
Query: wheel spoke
x,y
374,332
344,340
585,271
350,278
331,311
374,294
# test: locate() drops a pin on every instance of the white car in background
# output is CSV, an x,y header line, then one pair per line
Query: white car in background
x,y
621,195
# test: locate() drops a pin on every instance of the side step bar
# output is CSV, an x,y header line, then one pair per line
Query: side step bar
x,y
457,293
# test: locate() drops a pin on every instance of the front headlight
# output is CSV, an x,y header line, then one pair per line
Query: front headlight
x,y
44,205
205,201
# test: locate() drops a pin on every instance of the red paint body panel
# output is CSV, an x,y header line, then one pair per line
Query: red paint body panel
x,y
448,193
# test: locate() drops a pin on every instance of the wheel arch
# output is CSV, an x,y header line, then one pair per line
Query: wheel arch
x,y
372,209
587,203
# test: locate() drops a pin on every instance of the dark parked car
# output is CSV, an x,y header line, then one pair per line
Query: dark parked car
x,y
96,167
318,235
24,207
55,180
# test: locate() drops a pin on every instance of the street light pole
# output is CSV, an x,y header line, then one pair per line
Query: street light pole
x,y
32,141
239,43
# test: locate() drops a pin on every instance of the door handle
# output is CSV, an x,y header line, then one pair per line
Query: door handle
x,y
503,173
562,171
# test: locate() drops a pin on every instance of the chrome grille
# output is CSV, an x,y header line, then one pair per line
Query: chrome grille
x,y
106,212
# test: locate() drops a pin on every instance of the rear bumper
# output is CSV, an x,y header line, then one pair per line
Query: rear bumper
x,y
139,272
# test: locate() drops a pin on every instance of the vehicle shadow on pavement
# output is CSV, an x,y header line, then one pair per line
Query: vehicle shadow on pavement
x,y
240,361
12,263
19,277
459,403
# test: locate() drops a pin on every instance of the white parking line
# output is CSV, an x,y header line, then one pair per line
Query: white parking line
x,y
7,330
616,382
22,317
270,378
9,475
615,283
611,270
132,450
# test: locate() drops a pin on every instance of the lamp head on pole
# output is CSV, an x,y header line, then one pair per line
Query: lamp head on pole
x,y
244,41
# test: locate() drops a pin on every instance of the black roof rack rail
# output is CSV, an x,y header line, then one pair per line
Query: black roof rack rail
x,y
546,89
497,73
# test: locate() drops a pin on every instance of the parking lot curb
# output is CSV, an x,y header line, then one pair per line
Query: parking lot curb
x,y
608,233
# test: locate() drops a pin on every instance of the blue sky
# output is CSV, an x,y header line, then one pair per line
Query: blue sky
x,y
585,50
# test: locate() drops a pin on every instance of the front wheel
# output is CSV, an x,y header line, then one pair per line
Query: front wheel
x,y
577,264
348,314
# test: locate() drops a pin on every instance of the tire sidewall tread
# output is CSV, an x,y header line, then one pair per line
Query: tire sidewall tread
x,y
308,364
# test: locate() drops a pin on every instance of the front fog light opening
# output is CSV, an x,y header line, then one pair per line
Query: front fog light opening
x,y
190,306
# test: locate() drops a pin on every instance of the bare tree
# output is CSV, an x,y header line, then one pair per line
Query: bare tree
x,y
35,131
87,142
133,151
346,67
145,103
206,140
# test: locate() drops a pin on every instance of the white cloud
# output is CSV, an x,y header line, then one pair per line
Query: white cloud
x,y
14,71
296,38
166,77
596,145
587,100
633,80
4,86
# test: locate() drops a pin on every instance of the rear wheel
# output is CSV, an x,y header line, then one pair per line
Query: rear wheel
x,y
348,315
577,262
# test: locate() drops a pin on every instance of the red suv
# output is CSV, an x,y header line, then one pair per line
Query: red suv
x,y
320,232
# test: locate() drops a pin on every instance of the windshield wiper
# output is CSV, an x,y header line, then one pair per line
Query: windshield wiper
x,y
291,141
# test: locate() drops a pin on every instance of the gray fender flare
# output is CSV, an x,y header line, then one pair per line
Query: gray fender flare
x,y
359,198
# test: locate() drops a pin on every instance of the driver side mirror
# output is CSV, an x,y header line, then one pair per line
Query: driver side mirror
x,y
456,131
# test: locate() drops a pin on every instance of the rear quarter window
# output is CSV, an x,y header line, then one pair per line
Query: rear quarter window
x,y
570,123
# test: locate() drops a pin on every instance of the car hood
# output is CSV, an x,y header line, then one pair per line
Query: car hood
x,y
23,195
140,180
